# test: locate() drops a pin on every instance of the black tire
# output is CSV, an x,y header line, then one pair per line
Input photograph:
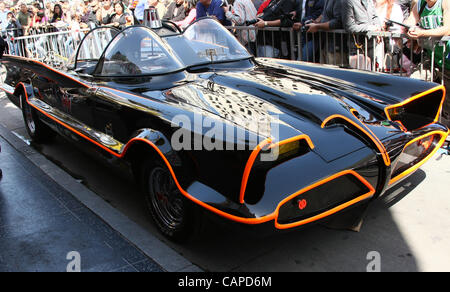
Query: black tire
x,y
37,130
175,216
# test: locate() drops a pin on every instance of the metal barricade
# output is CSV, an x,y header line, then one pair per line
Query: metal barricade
x,y
386,52
54,47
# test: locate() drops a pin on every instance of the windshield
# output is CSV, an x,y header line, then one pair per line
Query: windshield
x,y
138,51
94,44
207,41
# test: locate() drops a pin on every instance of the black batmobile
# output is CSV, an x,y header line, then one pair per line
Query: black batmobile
x,y
206,126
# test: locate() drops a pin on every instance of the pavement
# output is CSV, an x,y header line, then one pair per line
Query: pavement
x,y
47,214
408,226
41,223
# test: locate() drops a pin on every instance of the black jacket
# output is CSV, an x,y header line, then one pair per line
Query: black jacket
x,y
280,9
314,9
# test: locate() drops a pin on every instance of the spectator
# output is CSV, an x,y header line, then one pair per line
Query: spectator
x,y
308,11
40,20
175,11
48,9
359,16
212,8
66,8
278,13
14,30
24,18
433,17
241,12
89,15
330,19
3,16
190,12
58,14
39,26
105,11
389,10
119,18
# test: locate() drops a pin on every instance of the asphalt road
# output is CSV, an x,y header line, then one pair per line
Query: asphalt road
x,y
409,227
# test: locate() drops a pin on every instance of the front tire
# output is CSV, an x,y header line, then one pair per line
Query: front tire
x,y
173,213
37,130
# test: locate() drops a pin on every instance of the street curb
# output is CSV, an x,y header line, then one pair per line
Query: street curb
x,y
150,245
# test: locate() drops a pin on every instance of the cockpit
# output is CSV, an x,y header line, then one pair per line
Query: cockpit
x,y
140,51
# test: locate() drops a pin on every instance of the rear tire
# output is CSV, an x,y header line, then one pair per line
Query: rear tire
x,y
37,130
175,216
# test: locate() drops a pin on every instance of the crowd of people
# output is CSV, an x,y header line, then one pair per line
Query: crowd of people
x,y
426,18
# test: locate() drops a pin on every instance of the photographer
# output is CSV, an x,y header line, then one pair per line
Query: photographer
x,y
279,13
14,30
239,14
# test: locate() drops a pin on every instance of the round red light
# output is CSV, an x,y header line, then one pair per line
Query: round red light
x,y
302,204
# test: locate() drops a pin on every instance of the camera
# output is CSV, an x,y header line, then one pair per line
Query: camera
x,y
304,27
251,22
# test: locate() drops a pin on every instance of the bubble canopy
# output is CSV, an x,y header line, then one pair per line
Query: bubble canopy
x,y
207,41
138,50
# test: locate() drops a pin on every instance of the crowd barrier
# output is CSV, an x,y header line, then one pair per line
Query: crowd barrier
x,y
48,44
387,52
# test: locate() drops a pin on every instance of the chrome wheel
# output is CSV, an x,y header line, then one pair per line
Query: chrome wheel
x,y
166,199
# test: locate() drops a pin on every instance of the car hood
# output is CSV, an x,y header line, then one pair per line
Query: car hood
x,y
296,103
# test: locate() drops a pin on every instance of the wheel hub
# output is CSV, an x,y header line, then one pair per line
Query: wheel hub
x,y
165,198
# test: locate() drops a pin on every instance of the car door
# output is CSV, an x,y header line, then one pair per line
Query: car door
x,y
67,97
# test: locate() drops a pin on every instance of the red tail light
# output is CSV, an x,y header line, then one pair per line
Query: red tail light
x,y
416,153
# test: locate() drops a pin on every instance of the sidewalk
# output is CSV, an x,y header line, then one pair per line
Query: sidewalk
x,y
40,223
